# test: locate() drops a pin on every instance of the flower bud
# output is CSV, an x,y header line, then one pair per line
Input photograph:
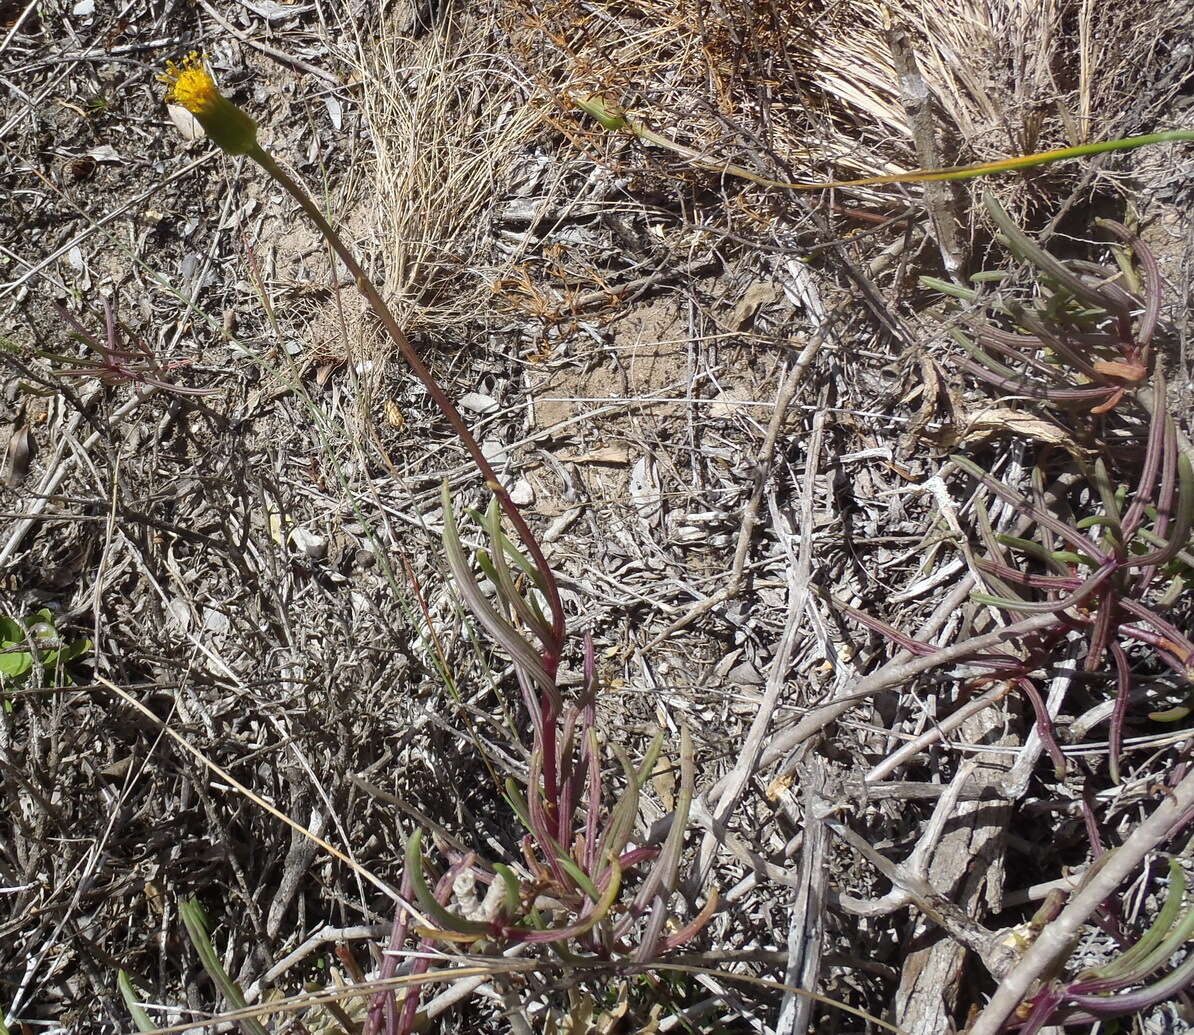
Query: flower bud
x,y
192,87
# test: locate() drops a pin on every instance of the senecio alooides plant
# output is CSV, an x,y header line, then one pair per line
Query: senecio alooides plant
x,y
1113,563
582,889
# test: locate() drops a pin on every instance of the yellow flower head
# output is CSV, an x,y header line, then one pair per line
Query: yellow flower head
x,y
192,87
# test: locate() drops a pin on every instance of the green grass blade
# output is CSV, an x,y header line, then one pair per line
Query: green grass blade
x,y
132,1001
445,918
192,918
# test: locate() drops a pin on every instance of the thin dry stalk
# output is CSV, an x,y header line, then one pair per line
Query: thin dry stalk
x,y
1056,941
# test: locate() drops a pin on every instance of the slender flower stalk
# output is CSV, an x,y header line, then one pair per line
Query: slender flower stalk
x,y
192,87
614,119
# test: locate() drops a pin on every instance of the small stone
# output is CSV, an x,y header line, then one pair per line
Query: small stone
x,y
309,543
479,403
522,493
494,451
215,622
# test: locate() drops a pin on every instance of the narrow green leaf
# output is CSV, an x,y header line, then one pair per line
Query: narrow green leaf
x,y
1173,592
1102,482
1096,521
1026,248
980,355
1175,714
944,287
1181,933
427,901
583,881
621,822
521,652
519,804
192,918
994,583
505,581
132,1002
1052,558
1128,960
664,873
647,767
1017,500
1150,537
1070,557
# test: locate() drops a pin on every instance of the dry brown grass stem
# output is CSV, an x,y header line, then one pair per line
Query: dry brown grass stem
x,y
448,117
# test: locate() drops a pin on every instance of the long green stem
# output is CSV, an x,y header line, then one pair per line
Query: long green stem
x,y
613,119
446,406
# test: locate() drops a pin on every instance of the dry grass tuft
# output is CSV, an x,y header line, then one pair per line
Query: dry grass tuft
x,y
811,89
447,116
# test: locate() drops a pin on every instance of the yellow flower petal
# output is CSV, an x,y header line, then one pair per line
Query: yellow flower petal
x,y
192,87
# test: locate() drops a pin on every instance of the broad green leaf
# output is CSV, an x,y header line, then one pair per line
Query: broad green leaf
x,y
15,664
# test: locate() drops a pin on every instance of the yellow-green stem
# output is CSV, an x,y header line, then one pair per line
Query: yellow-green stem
x,y
614,119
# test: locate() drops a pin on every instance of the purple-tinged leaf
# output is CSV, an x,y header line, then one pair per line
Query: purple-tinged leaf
x,y
383,1002
1100,631
1031,321
1183,521
540,822
1088,587
1010,495
696,925
902,640
1123,1003
1153,456
594,803
1044,724
1014,347
1044,1006
1123,689
631,858
427,901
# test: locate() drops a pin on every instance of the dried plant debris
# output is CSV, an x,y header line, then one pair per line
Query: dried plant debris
x,y
851,685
